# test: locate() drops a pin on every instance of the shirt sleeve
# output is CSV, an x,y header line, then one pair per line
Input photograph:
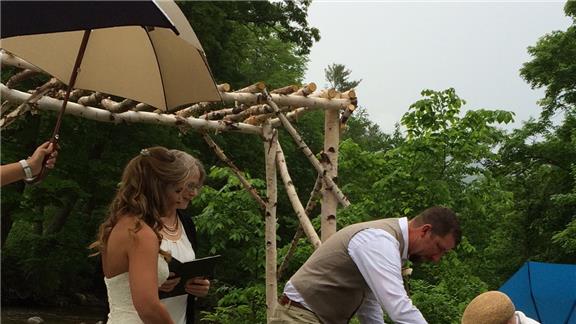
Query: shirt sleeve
x,y
370,311
376,254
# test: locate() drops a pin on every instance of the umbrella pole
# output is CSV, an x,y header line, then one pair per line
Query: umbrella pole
x,y
56,133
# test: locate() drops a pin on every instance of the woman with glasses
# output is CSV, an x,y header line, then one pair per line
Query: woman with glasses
x,y
179,239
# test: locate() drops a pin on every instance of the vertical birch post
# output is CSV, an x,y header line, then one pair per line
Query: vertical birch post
x,y
270,147
330,164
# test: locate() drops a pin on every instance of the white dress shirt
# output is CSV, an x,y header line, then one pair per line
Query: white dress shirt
x,y
375,253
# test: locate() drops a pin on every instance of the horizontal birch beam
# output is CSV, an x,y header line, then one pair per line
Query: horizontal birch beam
x,y
51,104
286,100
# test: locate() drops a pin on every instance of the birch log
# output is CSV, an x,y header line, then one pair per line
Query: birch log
x,y
9,59
346,115
270,146
92,99
285,90
224,87
308,153
256,87
293,196
51,104
118,107
330,164
20,76
220,154
314,195
306,90
217,114
286,100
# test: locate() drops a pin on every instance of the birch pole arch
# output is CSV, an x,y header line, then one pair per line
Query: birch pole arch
x,y
252,110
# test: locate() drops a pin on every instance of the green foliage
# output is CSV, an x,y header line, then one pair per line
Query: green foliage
x,y
249,41
368,134
231,224
553,67
239,305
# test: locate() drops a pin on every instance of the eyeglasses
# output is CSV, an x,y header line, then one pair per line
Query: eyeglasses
x,y
190,187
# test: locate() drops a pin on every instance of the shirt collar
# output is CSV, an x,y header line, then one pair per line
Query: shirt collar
x,y
403,222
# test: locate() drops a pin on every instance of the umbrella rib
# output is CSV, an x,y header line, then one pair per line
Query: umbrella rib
x,y
159,70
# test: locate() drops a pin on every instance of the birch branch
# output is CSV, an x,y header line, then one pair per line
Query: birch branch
x,y
293,196
222,156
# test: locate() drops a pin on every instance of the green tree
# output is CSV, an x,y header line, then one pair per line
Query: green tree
x,y
337,76
233,32
553,67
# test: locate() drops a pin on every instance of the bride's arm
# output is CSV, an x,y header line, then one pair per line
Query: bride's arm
x,y
143,274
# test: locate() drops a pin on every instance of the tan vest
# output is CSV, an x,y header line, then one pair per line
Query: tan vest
x,y
329,280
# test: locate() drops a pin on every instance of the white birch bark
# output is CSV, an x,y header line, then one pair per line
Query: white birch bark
x,y
308,153
293,196
270,146
330,164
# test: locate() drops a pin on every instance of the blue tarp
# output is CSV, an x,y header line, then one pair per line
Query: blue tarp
x,y
545,292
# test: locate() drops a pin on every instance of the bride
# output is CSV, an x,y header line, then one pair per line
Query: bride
x,y
129,239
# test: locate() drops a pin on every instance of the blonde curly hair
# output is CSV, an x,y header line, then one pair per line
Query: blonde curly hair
x,y
142,189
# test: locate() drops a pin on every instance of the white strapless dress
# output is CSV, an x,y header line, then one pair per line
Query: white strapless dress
x,y
122,309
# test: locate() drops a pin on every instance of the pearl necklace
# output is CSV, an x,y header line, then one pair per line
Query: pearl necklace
x,y
173,230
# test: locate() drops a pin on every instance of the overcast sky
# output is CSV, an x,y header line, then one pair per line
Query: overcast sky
x,y
400,48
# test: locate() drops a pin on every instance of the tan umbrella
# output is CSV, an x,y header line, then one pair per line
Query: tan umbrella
x,y
123,48
151,65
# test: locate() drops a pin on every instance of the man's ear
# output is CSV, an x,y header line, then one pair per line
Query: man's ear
x,y
425,229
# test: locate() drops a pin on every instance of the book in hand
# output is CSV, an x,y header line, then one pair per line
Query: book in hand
x,y
203,267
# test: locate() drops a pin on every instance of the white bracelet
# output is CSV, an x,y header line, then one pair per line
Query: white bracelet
x,y
27,170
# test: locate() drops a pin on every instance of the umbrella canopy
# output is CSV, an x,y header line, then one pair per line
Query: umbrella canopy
x,y
43,17
544,291
132,50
